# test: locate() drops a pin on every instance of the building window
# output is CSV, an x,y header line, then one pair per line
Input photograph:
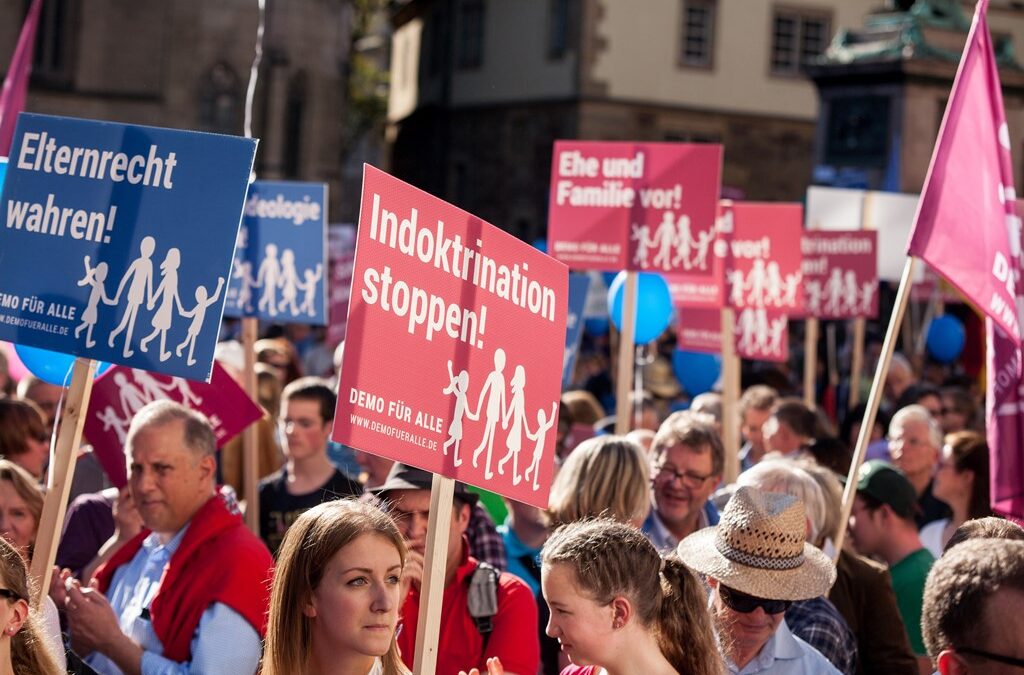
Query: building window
x,y
797,37
471,34
56,44
561,27
220,100
698,39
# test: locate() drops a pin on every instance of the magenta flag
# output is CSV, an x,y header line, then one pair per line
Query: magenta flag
x,y
966,227
12,98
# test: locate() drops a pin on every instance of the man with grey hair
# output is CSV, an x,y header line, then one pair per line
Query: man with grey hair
x,y
686,465
915,441
190,592
816,620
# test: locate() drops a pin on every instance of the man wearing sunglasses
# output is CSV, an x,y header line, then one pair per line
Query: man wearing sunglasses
x,y
757,564
972,617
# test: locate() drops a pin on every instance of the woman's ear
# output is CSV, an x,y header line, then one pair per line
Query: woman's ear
x,y
18,618
622,611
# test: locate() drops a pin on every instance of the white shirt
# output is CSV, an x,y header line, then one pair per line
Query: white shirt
x,y
785,654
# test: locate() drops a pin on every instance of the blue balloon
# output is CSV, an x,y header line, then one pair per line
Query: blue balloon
x,y
52,367
946,338
697,372
653,305
541,245
596,325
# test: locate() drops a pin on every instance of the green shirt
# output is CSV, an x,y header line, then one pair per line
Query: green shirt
x,y
908,577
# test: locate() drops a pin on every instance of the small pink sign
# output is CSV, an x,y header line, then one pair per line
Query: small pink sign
x,y
121,392
634,206
700,330
840,274
763,260
762,334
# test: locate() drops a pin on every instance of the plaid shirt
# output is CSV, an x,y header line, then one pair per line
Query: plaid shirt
x,y
484,541
818,623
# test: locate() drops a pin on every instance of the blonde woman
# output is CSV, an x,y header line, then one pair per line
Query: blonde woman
x,y
336,594
604,476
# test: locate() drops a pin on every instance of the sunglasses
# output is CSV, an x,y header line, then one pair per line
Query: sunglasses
x,y
745,604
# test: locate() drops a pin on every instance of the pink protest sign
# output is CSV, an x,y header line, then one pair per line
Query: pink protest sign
x,y
840,274
341,251
700,330
704,291
634,206
763,259
121,392
762,334
456,335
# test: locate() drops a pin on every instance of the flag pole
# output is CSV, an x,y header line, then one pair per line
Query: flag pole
x,y
874,399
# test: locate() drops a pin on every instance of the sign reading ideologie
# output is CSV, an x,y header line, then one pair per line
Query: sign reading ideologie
x,y
634,206
118,240
455,342
280,256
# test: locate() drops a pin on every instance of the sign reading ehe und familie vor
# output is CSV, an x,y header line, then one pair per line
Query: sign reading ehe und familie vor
x,y
117,240
279,270
455,343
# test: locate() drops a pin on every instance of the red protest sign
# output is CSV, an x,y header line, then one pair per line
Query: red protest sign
x,y
763,261
700,330
762,334
634,206
704,291
121,392
454,347
840,274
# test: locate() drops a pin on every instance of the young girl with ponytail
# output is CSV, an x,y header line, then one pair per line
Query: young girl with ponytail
x,y
618,607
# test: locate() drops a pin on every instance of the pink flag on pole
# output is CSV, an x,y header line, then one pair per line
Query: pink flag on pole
x,y
966,227
12,99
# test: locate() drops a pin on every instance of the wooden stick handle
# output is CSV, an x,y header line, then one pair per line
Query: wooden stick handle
x,y
627,356
810,360
51,523
435,563
250,437
875,398
730,398
857,360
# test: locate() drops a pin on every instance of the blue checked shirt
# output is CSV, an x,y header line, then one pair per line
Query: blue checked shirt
x,y
818,623
785,654
224,641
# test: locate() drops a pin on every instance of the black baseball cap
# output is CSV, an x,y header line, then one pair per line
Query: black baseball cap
x,y
405,477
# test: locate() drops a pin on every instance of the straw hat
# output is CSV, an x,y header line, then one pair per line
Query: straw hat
x,y
759,548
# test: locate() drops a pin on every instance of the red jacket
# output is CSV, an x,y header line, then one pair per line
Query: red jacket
x,y
218,560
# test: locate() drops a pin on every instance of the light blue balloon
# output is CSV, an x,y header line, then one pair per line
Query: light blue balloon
x,y
697,372
946,338
52,367
653,306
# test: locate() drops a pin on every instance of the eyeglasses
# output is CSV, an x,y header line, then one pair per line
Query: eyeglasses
x,y
745,604
691,480
10,595
999,658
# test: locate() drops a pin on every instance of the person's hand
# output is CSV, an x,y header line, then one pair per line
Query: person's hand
x,y
58,589
94,626
494,667
127,521
412,575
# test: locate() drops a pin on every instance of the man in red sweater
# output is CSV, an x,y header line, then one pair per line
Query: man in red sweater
x,y
190,593
509,633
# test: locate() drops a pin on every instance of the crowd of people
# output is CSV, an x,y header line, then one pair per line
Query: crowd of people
x,y
645,561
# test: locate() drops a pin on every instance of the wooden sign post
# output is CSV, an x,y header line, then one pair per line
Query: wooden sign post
x,y
811,334
250,437
730,398
435,561
62,471
627,357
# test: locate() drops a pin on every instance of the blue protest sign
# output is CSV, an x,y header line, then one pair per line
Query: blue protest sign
x,y
118,240
579,284
280,257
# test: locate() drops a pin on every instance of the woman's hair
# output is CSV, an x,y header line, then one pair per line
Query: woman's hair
x,y
19,421
610,559
29,654
963,403
583,406
970,453
25,485
603,476
832,493
8,384
308,547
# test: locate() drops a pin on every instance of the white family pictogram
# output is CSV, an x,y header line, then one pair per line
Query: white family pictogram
x,y
841,294
763,286
277,273
756,335
134,290
134,394
673,243
496,407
